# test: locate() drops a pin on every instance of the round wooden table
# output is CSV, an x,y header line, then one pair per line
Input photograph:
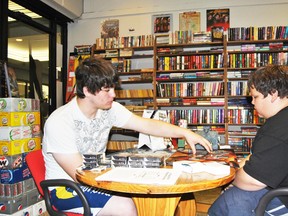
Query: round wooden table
x,y
160,200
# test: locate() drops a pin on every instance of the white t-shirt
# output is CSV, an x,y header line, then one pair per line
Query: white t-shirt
x,y
68,131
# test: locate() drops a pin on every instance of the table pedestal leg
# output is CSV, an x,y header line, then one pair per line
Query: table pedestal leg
x,y
156,205
186,206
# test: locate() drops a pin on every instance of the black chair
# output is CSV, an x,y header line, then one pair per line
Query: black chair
x,y
264,201
35,162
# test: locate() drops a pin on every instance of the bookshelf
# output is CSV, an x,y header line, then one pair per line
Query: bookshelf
x,y
132,57
199,80
135,68
248,49
190,82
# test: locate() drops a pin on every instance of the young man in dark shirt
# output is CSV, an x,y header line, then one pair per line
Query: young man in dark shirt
x,y
266,167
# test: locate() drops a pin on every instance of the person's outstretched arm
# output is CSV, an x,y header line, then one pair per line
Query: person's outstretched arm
x,y
163,129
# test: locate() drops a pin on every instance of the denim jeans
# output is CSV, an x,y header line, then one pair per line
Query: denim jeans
x,y
237,202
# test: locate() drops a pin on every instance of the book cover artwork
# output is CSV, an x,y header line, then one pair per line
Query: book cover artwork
x,y
218,18
110,29
189,21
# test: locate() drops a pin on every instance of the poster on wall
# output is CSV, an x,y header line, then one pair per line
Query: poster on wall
x,y
189,21
218,18
162,23
110,28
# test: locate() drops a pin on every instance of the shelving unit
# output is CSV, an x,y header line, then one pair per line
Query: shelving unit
x,y
190,84
135,67
243,57
204,83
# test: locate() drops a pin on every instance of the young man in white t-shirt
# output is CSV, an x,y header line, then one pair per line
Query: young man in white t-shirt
x,y
83,125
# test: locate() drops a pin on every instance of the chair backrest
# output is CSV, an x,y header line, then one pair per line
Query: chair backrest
x,y
35,162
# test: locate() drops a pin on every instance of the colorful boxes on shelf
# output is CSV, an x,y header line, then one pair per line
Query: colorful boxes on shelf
x,y
19,105
20,133
19,118
19,146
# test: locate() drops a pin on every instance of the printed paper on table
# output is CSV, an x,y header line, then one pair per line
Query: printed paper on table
x,y
141,175
211,167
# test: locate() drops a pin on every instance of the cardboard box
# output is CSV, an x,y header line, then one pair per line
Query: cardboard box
x,y
11,190
18,213
11,162
35,105
15,176
12,205
33,197
28,185
36,130
19,105
15,104
15,133
28,211
39,208
20,146
19,118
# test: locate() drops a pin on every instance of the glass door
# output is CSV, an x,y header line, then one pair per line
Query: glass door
x,y
28,59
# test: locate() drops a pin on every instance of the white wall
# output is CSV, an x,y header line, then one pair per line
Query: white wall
x,y
70,8
137,14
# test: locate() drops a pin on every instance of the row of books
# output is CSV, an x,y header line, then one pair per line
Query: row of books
x,y
218,128
246,60
272,46
238,74
258,33
176,37
188,89
121,64
137,110
188,37
120,145
249,130
216,116
121,42
184,37
242,131
211,101
136,101
236,88
190,75
240,144
198,116
134,93
243,115
190,101
235,103
82,49
190,62
181,49
208,116
234,34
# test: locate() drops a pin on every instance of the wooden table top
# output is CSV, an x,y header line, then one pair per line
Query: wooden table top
x,y
186,183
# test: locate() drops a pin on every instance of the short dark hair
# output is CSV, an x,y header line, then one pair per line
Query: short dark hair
x,y
95,73
269,79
